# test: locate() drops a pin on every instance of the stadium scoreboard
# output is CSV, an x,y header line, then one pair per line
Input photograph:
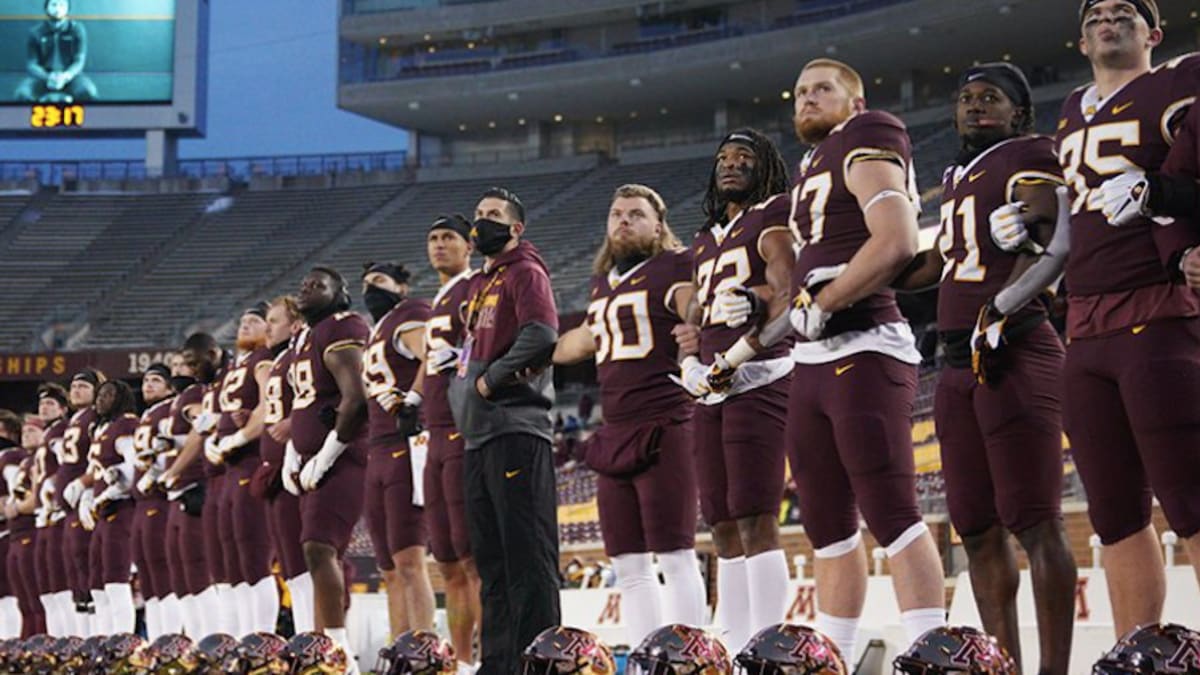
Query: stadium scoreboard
x,y
109,68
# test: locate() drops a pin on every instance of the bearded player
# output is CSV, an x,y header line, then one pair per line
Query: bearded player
x,y
743,257
391,364
448,244
1132,322
70,481
641,289
325,462
50,570
997,406
284,323
246,545
149,532
854,213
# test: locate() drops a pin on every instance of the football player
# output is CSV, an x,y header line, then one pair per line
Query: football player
x,y
22,534
11,455
51,573
1000,427
109,514
325,460
284,323
448,244
646,483
1132,322
854,213
149,531
392,362
185,483
246,547
71,486
743,258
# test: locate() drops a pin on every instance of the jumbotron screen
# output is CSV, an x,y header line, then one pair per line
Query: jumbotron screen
x,y
90,52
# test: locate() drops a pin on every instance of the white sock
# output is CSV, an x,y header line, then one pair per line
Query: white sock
x,y
264,598
152,611
684,595
340,636
83,627
640,595
733,603
192,615
226,610
170,616
47,601
300,587
99,620
64,606
843,631
465,668
209,603
121,612
243,610
10,617
767,579
917,622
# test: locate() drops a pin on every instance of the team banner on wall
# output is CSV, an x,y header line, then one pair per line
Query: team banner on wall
x,y
114,363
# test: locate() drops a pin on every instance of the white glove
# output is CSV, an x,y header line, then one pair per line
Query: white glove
x,y
390,401
734,304
112,476
166,481
72,492
809,319
40,518
46,493
162,444
1007,224
87,512
145,484
444,359
232,442
112,493
291,468
320,464
823,275
1123,198
694,377
212,450
204,423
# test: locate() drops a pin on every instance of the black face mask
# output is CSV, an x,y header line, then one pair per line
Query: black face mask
x,y
490,237
181,382
379,302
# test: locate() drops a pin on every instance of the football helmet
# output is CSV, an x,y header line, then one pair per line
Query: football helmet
x,y
784,649
213,651
313,652
567,650
679,649
260,654
955,649
68,655
417,652
1155,648
124,654
36,655
91,654
173,654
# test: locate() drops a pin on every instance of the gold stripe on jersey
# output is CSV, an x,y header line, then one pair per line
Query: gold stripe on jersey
x,y
1029,178
340,345
763,235
865,154
1164,124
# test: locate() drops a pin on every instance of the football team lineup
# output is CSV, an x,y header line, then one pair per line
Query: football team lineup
x,y
202,524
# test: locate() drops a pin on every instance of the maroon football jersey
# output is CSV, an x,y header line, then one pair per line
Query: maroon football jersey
x,y
148,429
826,218
76,442
182,409
12,457
730,256
389,366
314,387
24,486
443,330
239,389
975,268
631,316
1184,158
1097,140
210,403
52,447
277,393
106,450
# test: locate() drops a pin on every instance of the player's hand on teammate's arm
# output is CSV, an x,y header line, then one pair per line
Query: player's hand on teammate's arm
x,y
204,423
693,377
319,464
73,491
737,304
145,484
1189,264
1123,198
1008,228
281,431
290,473
87,510
444,359
687,338
212,450
807,315
390,401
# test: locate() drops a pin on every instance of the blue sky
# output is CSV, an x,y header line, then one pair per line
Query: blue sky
x,y
272,91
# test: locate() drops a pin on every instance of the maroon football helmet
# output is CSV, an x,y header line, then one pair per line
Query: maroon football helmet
x,y
214,650
417,652
313,653
36,655
783,649
678,649
68,655
259,654
173,654
567,650
955,649
1155,648
124,654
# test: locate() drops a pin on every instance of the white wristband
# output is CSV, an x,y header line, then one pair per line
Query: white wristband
x,y
237,439
740,352
413,399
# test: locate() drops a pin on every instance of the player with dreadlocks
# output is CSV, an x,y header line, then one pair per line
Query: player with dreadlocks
x,y
742,268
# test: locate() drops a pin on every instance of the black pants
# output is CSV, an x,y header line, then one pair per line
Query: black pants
x,y
513,519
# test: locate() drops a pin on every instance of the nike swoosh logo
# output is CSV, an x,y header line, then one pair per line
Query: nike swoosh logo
x,y
700,249
243,482
975,176
511,474
841,370
1118,109
736,233
635,282
1137,330
455,436
151,513
399,453
816,161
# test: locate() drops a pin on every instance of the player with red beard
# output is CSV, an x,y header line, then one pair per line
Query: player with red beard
x,y
242,517
149,532
325,462
51,573
641,289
